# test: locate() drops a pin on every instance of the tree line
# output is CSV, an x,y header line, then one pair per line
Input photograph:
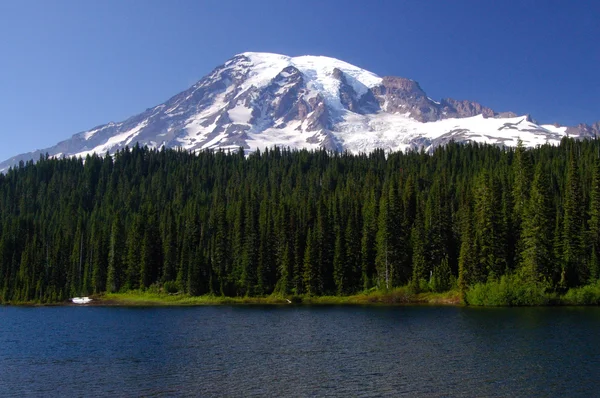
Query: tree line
x,y
299,222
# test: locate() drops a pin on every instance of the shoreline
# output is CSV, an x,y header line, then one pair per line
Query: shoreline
x,y
401,296
147,299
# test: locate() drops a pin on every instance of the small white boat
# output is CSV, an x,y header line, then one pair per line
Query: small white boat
x,y
81,300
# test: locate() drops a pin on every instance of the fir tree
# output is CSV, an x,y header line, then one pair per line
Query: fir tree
x,y
594,223
573,271
537,255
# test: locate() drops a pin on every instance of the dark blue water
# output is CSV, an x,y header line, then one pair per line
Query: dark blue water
x,y
299,351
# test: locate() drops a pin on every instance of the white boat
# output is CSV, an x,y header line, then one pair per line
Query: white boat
x,y
81,300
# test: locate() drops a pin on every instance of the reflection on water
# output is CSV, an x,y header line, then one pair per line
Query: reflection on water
x,y
299,351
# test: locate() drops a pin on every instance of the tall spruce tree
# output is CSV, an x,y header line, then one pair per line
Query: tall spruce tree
x,y
538,223
468,270
489,230
594,223
522,172
420,271
573,264
116,254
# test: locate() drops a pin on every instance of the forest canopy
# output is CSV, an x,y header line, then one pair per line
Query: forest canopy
x,y
299,222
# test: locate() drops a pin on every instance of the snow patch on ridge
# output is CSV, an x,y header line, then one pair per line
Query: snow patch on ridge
x,y
240,114
124,138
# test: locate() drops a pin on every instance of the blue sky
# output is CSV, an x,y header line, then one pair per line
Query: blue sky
x,y
67,66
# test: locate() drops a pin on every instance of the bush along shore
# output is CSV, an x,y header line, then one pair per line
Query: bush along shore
x,y
468,223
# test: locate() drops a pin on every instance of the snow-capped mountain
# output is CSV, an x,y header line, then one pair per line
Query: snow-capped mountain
x,y
258,100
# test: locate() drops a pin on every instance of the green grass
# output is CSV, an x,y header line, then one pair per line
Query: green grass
x,y
401,295
147,298
507,291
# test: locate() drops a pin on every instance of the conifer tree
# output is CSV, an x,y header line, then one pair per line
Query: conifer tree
x,y
340,266
594,223
116,254
135,236
573,271
388,238
420,273
538,223
468,270
169,268
441,277
310,275
489,231
522,171
368,240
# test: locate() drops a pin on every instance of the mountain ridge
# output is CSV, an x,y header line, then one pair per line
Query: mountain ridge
x,y
257,100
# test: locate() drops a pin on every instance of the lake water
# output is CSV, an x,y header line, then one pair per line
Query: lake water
x,y
288,351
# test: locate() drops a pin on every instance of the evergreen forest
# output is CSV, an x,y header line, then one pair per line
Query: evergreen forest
x,y
468,217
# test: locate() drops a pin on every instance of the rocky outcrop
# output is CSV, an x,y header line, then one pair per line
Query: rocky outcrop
x,y
346,92
319,118
584,130
401,95
455,108
280,99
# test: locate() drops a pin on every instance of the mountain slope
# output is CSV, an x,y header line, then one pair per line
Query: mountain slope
x,y
258,100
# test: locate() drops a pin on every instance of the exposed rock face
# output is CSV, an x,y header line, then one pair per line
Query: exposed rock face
x,y
346,92
319,119
584,130
400,95
454,108
256,100
397,94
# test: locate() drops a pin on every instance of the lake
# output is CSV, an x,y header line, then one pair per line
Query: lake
x,y
288,351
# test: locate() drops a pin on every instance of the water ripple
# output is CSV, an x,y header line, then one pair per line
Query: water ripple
x,y
297,352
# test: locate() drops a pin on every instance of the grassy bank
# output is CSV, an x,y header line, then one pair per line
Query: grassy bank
x,y
400,295
505,292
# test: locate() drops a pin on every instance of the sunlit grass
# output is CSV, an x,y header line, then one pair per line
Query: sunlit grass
x,y
401,295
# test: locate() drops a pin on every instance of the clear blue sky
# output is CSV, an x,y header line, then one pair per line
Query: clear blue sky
x,y
67,66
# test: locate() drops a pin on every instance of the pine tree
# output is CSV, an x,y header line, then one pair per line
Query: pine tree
x,y
169,250
310,275
594,223
420,273
573,271
340,264
522,171
115,256
368,240
489,230
388,242
135,236
537,256
468,270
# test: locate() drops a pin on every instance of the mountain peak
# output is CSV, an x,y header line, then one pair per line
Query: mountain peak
x,y
257,100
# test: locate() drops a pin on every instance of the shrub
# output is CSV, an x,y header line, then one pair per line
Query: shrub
x,y
585,295
510,290
171,287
